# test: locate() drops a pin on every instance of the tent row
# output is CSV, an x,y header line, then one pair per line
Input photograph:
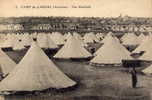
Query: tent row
x,y
74,42
19,41
112,51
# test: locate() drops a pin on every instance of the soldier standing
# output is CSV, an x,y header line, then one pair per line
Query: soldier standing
x,y
134,77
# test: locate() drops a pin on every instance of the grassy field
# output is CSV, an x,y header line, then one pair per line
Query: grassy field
x,y
110,82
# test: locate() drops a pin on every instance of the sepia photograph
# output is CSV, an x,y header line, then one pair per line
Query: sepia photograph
x,y
75,49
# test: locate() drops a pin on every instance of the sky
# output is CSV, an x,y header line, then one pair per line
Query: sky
x,y
93,8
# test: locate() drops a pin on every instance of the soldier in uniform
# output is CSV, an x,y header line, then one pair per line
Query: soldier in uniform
x,y
134,77
1,73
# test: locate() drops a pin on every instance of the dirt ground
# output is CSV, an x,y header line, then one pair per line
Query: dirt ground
x,y
98,81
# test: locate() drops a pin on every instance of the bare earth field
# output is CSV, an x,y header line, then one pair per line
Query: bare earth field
x,y
95,83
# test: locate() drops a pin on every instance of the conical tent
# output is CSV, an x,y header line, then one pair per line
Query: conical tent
x,y
6,63
112,52
78,36
130,39
45,41
144,45
68,35
109,35
148,70
141,37
65,35
79,39
106,40
147,56
58,38
18,45
20,36
72,49
2,38
150,34
90,38
34,35
42,40
26,39
51,44
37,76
124,36
100,36
8,42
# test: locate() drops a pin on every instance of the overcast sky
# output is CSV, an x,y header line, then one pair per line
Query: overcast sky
x,y
99,8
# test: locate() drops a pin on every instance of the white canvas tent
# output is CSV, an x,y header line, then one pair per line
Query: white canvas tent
x,y
72,49
58,38
106,40
78,36
65,35
112,52
2,38
51,44
45,41
90,38
35,72
26,39
107,37
20,36
147,56
141,37
6,63
34,35
100,36
42,40
8,42
144,45
130,39
68,36
148,70
18,45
